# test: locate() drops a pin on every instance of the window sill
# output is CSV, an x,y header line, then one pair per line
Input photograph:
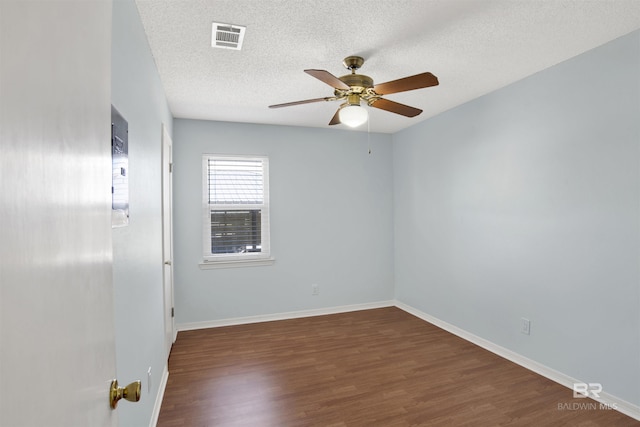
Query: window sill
x,y
210,265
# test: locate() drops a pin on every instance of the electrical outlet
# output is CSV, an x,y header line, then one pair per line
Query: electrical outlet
x,y
525,326
149,380
315,289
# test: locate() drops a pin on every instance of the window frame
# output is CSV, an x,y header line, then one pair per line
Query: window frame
x,y
247,259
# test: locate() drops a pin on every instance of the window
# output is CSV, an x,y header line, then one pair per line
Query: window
x,y
235,209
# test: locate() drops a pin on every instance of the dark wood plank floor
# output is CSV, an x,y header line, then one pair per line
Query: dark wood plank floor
x,y
380,367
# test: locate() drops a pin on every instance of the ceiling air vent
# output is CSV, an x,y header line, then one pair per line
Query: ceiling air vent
x,y
227,36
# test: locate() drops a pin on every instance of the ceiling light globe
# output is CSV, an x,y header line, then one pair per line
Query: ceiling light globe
x,y
353,115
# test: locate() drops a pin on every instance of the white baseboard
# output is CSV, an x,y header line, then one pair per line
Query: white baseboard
x,y
283,316
160,396
611,401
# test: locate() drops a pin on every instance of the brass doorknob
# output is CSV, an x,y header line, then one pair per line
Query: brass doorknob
x,y
131,392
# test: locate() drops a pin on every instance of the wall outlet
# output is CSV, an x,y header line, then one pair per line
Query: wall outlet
x,y
149,380
315,289
525,326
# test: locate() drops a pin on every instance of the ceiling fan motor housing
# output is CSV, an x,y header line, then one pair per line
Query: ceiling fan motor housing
x,y
357,81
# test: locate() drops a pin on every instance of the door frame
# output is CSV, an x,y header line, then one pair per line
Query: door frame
x,y
167,239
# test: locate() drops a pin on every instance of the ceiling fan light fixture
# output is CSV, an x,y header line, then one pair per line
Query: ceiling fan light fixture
x,y
353,115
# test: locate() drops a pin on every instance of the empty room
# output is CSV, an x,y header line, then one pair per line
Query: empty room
x,y
305,213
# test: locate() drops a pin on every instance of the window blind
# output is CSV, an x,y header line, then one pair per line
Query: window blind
x,y
233,181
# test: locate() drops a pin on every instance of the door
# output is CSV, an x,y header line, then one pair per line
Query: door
x,y
57,339
167,238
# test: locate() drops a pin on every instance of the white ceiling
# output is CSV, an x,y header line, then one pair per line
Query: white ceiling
x,y
473,46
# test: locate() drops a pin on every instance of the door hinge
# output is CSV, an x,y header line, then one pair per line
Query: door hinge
x,y
173,312
170,167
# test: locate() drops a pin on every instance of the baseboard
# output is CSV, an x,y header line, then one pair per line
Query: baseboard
x,y
611,401
160,396
283,316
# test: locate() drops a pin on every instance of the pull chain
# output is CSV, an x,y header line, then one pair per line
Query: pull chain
x,y
369,135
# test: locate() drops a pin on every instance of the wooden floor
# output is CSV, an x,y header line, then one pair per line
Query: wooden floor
x,y
380,367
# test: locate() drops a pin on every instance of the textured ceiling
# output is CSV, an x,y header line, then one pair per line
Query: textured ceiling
x,y
474,47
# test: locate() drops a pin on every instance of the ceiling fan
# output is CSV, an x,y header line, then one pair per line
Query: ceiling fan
x,y
354,88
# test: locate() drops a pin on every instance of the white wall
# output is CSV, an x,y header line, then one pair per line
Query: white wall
x,y
56,301
526,203
331,221
137,248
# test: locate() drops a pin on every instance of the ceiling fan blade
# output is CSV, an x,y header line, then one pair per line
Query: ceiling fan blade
x,y
395,107
328,78
418,81
336,118
306,101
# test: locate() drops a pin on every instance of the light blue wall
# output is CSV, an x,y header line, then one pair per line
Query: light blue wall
x,y
137,248
331,221
526,203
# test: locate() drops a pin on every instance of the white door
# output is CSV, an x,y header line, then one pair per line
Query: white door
x,y
57,340
167,238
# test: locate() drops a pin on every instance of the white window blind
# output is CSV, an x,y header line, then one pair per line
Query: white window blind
x,y
235,208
